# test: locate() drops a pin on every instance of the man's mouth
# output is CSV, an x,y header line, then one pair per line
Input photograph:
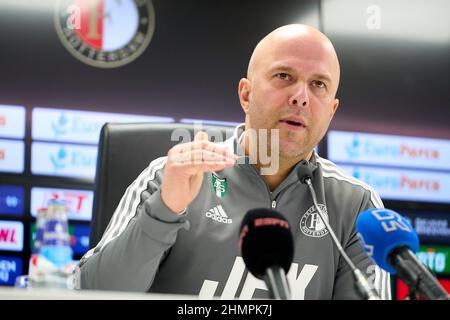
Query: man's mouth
x,y
293,123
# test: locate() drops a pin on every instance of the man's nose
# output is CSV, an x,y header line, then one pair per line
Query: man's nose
x,y
300,96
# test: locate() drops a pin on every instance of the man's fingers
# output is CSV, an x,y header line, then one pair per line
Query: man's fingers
x,y
199,155
201,150
201,141
203,145
206,155
201,136
204,166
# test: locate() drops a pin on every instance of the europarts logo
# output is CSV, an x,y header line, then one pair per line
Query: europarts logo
x,y
403,184
105,33
63,158
77,126
60,159
67,160
354,148
60,127
67,124
364,147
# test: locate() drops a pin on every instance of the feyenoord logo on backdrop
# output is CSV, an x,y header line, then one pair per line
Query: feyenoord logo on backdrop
x,y
105,33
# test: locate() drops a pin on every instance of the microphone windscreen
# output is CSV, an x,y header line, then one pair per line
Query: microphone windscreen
x,y
265,241
305,169
380,231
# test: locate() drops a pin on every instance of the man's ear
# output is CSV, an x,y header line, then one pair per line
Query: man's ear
x,y
244,94
334,107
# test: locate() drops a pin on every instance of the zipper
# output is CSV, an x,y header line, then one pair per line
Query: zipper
x,y
264,183
283,191
272,203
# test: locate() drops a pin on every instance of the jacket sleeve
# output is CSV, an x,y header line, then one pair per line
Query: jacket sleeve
x,y
139,235
344,286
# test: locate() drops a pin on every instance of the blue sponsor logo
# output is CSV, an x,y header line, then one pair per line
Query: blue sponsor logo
x,y
75,125
10,268
80,126
79,238
63,160
354,149
81,159
60,127
357,174
75,158
377,181
359,148
11,200
60,160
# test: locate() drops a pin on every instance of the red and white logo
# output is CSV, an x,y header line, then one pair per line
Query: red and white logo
x,y
105,33
78,202
11,235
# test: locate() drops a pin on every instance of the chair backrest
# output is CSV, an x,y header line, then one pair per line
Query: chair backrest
x,y
125,150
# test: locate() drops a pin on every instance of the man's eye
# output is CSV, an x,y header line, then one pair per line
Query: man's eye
x,y
319,84
283,76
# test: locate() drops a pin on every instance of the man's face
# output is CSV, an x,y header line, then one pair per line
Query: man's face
x,y
292,88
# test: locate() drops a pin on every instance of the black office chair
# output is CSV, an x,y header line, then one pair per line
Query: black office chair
x,y
125,150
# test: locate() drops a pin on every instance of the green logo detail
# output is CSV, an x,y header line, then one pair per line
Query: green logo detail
x,y
220,186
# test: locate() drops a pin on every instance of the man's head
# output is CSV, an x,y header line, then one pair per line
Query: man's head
x,y
292,78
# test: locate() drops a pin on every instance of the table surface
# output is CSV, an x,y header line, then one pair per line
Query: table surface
x,y
58,294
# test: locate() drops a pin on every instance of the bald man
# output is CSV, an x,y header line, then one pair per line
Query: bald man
x,y
175,229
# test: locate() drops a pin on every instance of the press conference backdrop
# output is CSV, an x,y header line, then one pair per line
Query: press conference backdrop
x,y
387,131
412,176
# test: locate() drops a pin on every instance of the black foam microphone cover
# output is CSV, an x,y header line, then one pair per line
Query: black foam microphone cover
x,y
305,170
265,241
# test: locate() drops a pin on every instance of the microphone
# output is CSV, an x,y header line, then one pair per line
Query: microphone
x,y
305,174
389,239
267,247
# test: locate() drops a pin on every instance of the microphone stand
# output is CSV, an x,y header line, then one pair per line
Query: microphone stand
x,y
416,276
361,282
275,279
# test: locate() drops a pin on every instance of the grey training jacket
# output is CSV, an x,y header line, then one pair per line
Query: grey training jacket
x,y
146,248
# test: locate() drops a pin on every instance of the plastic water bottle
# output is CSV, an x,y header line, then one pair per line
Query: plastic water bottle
x,y
41,217
54,262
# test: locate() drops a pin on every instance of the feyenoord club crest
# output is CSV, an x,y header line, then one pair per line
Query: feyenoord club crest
x,y
220,186
311,224
105,33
